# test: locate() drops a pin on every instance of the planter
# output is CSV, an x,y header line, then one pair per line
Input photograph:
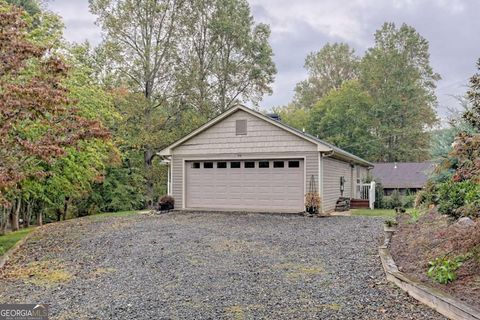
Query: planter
x,y
312,210
389,231
165,206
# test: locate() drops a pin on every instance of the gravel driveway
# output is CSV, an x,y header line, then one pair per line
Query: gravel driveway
x,y
208,266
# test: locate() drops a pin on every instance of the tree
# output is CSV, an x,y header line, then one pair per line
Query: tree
x,y
38,122
32,7
181,56
397,74
141,37
473,116
226,57
443,138
327,70
342,117
296,117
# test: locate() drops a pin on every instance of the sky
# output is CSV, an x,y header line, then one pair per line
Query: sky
x,y
299,27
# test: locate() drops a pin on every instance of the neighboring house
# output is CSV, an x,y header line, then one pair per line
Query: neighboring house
x,y
246,161
404,176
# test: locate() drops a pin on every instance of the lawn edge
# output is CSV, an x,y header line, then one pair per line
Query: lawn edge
x,y
438,300
6,256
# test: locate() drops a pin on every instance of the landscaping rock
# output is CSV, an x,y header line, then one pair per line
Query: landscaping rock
x,y
465,222
209,266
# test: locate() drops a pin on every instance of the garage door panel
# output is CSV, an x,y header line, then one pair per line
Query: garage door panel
x,y
245,188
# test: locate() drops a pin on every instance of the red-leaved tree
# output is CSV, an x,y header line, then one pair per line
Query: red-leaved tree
x,y
37,120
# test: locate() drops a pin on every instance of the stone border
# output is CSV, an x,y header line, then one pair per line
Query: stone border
x,y
440,301
6,256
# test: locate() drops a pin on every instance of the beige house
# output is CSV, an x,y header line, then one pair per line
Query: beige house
x,y
243,160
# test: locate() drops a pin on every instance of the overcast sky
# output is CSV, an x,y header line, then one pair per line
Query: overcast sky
x,y
301,26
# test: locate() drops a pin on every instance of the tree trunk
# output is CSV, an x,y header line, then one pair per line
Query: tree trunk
x,y
28,210
65,208
148,156
15,214
40,217
3,221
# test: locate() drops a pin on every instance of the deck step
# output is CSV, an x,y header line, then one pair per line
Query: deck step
x,y
359,204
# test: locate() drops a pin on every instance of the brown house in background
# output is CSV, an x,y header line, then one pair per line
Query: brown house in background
x,y
404,176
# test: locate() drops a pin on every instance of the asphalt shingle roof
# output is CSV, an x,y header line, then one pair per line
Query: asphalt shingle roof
x,y
402,174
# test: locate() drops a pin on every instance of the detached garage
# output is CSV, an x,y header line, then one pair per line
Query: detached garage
x,y
243,160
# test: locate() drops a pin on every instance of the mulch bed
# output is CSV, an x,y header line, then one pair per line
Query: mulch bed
x,y
433,235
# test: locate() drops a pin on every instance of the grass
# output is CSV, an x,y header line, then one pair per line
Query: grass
x,y
10,239
101,216
42,273
386,213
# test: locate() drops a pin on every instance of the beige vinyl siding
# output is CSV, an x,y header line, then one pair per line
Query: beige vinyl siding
x,y
333,169
311,166
261,137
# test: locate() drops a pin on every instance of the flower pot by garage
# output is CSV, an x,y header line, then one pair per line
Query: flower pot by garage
x,y
389,231
311,210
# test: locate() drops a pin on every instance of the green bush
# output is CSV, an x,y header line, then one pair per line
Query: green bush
x,y
396,199
459,198
378,195
408,201
386,202
443,270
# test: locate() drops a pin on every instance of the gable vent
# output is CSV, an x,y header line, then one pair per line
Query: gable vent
x,y
241,127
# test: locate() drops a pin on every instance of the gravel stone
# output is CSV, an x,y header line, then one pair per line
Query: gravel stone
x,y
212,266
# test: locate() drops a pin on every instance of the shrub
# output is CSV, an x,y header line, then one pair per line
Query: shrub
x,y
166,202
408,201
386,202
378,195
396,199
459,198
443,270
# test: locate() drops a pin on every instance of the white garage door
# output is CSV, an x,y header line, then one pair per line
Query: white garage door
x,y
267,185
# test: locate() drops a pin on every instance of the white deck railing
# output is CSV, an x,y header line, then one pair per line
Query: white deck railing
x,y
366,191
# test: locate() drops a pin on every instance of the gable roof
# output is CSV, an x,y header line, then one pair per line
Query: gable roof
x,y
322,146
395,175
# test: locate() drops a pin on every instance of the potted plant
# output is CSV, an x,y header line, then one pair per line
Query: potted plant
x,y
389,228
312,202
166,203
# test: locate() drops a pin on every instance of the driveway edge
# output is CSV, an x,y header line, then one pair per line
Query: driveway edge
x,y
440,301
6,256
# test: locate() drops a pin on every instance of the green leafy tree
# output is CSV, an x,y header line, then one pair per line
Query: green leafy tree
x,y
176,56
342,117
226,58
397,74
141,38
38,123
296,117
32,7
327,70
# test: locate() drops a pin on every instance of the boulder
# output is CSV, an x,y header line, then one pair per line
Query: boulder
x,y
465,222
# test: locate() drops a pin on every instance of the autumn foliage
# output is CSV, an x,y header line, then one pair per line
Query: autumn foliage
x,y
37,119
